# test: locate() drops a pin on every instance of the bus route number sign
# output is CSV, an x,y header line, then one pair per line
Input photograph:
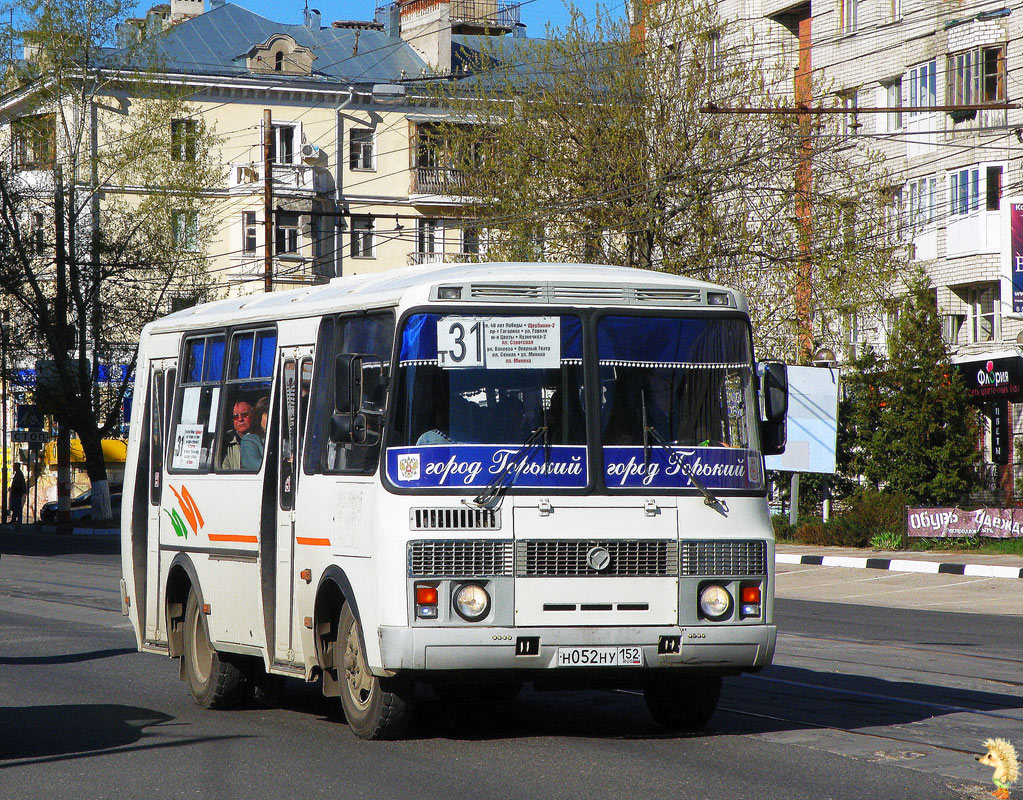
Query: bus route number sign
x,y
499,342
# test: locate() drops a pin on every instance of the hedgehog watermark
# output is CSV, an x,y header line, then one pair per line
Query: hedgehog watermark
x,y
1002,756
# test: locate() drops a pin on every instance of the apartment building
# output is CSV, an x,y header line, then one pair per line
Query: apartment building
x,y
358,176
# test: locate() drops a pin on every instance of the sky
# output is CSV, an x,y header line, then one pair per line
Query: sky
x,y
534,13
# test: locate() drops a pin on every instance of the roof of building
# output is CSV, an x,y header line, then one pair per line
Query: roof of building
x,y
216,43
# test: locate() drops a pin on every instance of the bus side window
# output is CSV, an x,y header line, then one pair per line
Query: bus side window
x,y
288,393
246,406
372,337
156,423
192,434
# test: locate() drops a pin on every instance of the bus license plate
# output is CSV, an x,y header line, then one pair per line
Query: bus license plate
x,y
600,656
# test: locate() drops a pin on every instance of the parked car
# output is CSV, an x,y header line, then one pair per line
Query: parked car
x,y
81,506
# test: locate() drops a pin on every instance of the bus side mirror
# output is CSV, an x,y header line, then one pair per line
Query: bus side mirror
x,y
347,428
347,383
775,393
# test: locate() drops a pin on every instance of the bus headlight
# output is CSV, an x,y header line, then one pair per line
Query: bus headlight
x,y
472,602
715,601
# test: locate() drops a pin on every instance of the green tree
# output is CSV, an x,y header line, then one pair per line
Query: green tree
x,y
592,146
911,427
103,208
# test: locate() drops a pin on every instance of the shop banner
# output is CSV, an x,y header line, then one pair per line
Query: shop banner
x,y
1016,255
937,523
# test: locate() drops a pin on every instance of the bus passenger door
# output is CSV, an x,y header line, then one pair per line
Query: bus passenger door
x,y
161,391
293,395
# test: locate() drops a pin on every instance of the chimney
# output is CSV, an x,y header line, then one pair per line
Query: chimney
x,y
313,18
184,9
427,27
393,26
520,31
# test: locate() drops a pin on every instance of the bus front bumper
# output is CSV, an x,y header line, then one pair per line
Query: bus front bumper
x,y
726,647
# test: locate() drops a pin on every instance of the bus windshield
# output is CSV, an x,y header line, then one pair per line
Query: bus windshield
x,y
472,389
676,394
676,400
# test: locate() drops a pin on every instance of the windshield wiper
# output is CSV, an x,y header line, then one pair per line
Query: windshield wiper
x,y
649,432
493,492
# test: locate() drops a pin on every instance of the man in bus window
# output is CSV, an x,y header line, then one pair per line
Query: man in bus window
x,y
244,450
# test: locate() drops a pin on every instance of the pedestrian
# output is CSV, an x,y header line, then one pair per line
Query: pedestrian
x,y
17,494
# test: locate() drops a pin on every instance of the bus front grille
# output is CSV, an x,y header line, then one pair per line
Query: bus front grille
x,y
724,558
454,519
464,558
561,558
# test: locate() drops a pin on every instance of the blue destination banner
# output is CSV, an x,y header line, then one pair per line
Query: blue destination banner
x,y
476,465
714,467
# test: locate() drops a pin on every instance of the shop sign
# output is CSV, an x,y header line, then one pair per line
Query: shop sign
x,y
937,523
993,378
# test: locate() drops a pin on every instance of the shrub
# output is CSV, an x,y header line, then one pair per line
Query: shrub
x,y
877,512
782,528
838,532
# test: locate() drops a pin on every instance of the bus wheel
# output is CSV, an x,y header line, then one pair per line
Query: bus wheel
x,y
376,708
213,681
683,702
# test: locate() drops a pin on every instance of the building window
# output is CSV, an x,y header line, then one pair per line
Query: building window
x,y
429,239
964,191
895,9
851,335
993,188
849,124
922,201
471,240
360,149
849,9
249,229
185,230
183,139
362,237
286,232
282,144
279,61
38,233
976,76
982,313
922,85
34,140
893,99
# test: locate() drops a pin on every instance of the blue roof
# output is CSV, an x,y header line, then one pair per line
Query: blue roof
x,y
216,43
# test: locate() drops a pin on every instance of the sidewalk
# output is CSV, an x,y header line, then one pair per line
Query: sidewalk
x,y
33,528
983,565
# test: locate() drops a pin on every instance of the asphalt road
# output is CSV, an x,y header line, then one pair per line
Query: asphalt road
x,y
862,702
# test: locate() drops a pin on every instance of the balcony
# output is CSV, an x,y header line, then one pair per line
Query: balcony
x,y
972,234
295,180
465,15
417,258
436,180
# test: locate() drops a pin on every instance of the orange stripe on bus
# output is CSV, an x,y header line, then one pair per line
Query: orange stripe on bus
x,y
307,540
232,537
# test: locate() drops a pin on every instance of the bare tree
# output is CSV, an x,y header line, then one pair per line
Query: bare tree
x,y
102,209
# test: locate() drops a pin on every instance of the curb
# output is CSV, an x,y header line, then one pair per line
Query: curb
x,y
902,565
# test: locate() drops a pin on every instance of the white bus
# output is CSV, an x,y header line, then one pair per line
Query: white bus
x,y
471,476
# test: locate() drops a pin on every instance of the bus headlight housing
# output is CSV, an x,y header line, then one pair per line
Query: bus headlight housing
x,y
715,601
471,602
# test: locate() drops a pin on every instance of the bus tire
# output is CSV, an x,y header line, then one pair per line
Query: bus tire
x,y
376,708
683,702
213,680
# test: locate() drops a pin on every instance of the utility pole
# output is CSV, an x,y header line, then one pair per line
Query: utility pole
x,y
5,319
268,202
60,306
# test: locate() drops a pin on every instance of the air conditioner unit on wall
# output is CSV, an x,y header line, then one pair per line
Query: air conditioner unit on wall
x,y
310,152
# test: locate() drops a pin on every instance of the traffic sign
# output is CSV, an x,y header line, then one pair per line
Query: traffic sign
x,y
29,417
33,437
